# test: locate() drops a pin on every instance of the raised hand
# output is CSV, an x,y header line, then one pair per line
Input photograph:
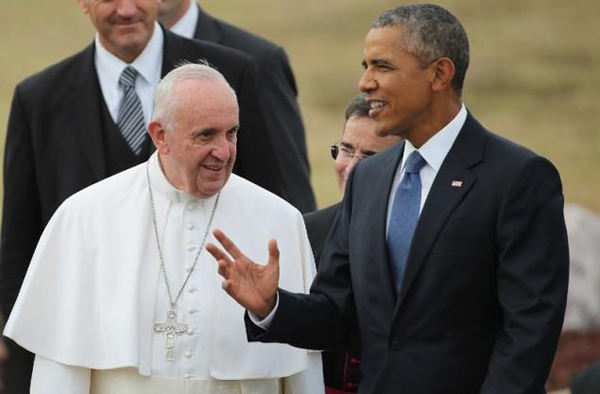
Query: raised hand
x,y
252,285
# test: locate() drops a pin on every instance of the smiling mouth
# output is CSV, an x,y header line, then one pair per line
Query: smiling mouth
x,y
376,106
216,168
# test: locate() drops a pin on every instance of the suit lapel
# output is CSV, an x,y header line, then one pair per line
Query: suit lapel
x,y
206,28
81,112
444,197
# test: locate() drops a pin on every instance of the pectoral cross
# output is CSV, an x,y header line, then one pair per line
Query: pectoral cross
x,y
171,328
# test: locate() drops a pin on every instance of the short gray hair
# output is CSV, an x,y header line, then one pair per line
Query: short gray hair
x,y
166,103
431,32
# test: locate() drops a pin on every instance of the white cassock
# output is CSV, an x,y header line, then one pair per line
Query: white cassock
x,y
94,292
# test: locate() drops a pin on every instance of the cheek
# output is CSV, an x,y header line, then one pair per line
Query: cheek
x,y
339,168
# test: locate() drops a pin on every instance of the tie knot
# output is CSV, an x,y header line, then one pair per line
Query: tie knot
x,y
414,163
128,76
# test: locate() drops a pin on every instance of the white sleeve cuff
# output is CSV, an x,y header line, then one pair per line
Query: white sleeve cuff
x,y
266,322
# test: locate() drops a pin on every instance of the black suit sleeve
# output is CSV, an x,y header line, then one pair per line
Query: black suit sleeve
x,y
21,228
256,159
278,88
21,216
532,280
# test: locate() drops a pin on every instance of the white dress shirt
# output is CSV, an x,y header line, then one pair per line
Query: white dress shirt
x,y
186,26
434,151
148,65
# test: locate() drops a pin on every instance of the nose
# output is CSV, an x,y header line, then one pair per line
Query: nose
x,y
126,8
351,164
221,150
367,83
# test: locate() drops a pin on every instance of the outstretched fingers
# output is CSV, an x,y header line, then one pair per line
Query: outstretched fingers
x,y
228,244
223,261
273,252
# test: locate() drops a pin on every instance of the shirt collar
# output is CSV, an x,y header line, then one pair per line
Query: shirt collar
x,y
434,151
148,64
164,187
186,26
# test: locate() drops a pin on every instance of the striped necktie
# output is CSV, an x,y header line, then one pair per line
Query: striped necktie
x,y
131,116
404,217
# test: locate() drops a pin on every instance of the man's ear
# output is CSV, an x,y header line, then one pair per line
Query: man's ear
x,y
443,72
157,133
84,5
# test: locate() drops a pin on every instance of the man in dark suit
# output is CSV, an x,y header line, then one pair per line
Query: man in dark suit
x,y
63,135
341,367
358,142
277,85
449,254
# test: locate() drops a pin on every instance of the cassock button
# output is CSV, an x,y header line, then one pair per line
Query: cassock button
x,y
192,289
191,247
188,269
189,354
187,376
191,206
395,345
191,227
191,311
191,332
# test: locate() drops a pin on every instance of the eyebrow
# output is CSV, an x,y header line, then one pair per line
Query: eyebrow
x,y
347,145
381,62
196,133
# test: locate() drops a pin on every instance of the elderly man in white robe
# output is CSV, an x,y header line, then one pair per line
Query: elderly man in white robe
x,y
120,297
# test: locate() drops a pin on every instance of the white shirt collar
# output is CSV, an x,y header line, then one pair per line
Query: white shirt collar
x,y
186,26
148,64
163,186
434,151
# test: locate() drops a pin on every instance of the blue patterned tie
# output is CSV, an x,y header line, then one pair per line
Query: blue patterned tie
x,y
131,116
404,217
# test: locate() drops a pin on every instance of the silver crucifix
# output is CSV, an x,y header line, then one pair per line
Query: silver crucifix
x,y
171,328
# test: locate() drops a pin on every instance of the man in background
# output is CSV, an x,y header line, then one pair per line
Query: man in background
x,y
84,119
359,141
277,89
341,366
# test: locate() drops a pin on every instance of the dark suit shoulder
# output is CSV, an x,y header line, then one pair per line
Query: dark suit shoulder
x,y
54,81
259,48
318,225
322,215
503,157
215,54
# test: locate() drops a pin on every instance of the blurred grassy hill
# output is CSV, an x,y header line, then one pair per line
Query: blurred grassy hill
x,y
534,75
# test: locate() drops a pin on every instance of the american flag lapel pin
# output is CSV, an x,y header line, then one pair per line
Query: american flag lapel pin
x,y
456,183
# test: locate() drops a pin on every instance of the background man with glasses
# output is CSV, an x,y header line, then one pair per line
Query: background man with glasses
x,y
341,367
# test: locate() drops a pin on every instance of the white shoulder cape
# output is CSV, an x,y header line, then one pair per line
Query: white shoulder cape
x,y
88,296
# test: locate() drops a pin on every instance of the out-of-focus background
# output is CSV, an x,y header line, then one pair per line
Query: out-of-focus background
x,y
534,74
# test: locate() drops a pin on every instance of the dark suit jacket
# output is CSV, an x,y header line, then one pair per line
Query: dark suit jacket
x,y
483,297
341,366
318,224
278,95
55,147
